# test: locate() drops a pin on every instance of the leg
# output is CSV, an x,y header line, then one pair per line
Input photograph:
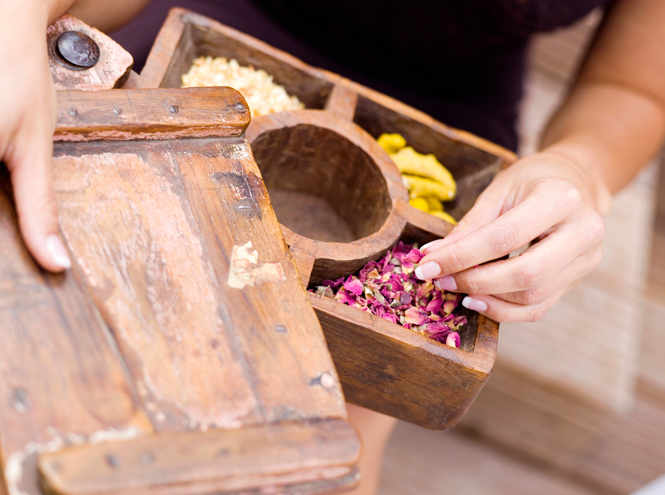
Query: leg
x,y
375,430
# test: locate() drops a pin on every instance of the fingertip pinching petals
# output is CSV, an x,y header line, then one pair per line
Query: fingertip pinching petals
x,y
429,245
428,271
474,304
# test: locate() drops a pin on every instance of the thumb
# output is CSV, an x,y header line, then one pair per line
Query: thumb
x,y
29,164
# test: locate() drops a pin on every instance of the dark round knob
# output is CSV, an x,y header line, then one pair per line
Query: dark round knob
x,y
78,49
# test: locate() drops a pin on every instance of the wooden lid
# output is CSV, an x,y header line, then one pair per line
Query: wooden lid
x,y
180,354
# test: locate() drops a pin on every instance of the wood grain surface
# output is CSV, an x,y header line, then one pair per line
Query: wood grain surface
x,y
120,115
62,378
207,462
184,310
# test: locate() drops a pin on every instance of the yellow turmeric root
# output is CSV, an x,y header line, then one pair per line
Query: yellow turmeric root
x,y
411,162
434,204
392,143
444,216
420,203
421,187
428,181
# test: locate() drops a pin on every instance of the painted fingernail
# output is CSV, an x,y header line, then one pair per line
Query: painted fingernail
x,y
429,270
429,244
446,283
474,304
58,251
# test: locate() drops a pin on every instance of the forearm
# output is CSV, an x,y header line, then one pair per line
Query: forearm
x,y
613,121
608,129
104,14
38,14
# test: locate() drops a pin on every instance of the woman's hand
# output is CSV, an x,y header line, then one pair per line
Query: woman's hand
x,y
544,197
27,122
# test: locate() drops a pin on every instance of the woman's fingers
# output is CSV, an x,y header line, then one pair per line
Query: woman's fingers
x,y
536,214
487,208
504,311
29,163
572,273
540,197
537,267
26,147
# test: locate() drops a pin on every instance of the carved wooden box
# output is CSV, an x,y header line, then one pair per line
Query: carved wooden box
x,y
341,202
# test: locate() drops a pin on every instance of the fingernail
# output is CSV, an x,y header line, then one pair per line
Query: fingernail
x,y
58,251
429,270
428,245
474,304
446,283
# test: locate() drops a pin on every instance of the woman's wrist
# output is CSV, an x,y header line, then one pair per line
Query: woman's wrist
x,y
585,164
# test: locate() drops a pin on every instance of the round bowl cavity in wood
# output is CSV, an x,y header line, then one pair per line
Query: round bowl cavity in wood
x,y
331,185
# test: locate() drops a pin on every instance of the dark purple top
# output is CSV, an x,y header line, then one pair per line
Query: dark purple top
x,y
460,61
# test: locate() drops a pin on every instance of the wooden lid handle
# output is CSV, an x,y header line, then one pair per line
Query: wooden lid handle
x,y
216,461
120,115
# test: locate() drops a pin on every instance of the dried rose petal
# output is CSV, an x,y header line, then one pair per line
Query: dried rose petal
x,y
345,296
405,298
438,326
416,316
382,312
389,289
354,285
414,256
434,306
459,321
369,271
325,291
453,340
449,307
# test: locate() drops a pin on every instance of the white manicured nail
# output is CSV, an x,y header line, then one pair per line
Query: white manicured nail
x,y
474,304
429,244
429,270
58,251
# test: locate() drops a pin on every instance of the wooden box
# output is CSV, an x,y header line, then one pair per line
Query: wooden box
x,y
341,202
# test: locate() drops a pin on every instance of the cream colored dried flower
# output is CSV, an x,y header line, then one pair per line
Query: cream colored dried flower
x,y
262,94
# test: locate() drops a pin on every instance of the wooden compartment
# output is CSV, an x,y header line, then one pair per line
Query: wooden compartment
x,y
187,35
321,184
472,166
341,202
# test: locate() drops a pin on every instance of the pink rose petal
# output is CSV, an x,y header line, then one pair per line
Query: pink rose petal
x,y
414,256
353,284
416,316
453,340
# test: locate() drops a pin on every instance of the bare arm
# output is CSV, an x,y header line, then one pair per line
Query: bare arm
x,y
107,15
611,124
27,121
614,118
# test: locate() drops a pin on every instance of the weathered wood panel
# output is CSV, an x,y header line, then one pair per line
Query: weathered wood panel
x,y
184,310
